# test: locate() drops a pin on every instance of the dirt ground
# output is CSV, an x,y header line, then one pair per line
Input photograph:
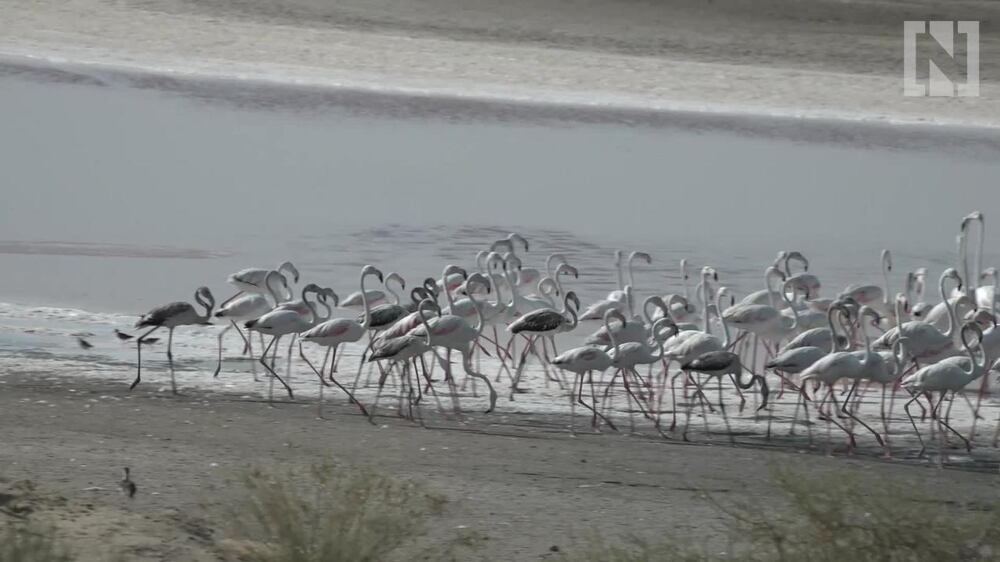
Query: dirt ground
x,y
522,483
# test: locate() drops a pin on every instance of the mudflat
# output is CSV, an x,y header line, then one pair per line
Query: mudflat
x,y
522,483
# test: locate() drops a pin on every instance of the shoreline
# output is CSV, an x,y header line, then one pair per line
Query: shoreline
x,y
546,102
392,49
263,92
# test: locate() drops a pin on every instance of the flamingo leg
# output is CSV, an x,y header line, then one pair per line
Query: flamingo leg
x,y
222,332
725,416
170,360
253,364
361,365
138,351
673,397
378,393
593,397
467,365
322,383
906,408
852,415
518,371
944,422
270,369
288,363
687,418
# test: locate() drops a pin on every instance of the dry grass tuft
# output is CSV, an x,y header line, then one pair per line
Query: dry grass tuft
x,y
828,519
30,542
330,514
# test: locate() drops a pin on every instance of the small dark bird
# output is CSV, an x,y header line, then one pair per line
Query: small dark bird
x,y
83,343
127,485
125,337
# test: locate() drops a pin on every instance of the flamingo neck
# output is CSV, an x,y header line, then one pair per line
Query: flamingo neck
x,y
618,270
447,292
364,302
868,343
208,307
833,328
704,303
885,277
795,312
767,287
270,288
684,281
575,320
395,295
952,321
480,321
725,326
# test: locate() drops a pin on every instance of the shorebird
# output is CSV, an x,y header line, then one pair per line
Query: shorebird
x,y
126,485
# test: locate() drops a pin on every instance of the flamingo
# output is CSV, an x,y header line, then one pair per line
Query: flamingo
x,y
455,334
375,296
767,296
583,361
973,290
407,323
951,374
630,265
249,306
543,322
919,308
873,295
404,349
840,365
687,313
253,279
171,316
720,364
617,299
626,356
633,330
334,332
924,342
526,277
284,319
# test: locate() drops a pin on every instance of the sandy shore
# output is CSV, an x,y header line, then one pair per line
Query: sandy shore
x,y
788,57
521,481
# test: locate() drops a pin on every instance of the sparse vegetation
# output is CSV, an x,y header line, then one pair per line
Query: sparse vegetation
x,y
330,514
30,542
829,519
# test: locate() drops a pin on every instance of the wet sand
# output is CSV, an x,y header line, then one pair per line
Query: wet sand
x,y
522,481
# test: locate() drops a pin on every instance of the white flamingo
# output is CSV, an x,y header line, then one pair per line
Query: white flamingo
x,y
455,334
249,306
283,320
950,375
253,279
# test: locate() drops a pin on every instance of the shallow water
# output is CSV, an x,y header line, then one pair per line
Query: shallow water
x,y
118,198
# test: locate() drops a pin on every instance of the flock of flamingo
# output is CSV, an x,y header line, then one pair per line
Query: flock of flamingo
x,y
825,353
